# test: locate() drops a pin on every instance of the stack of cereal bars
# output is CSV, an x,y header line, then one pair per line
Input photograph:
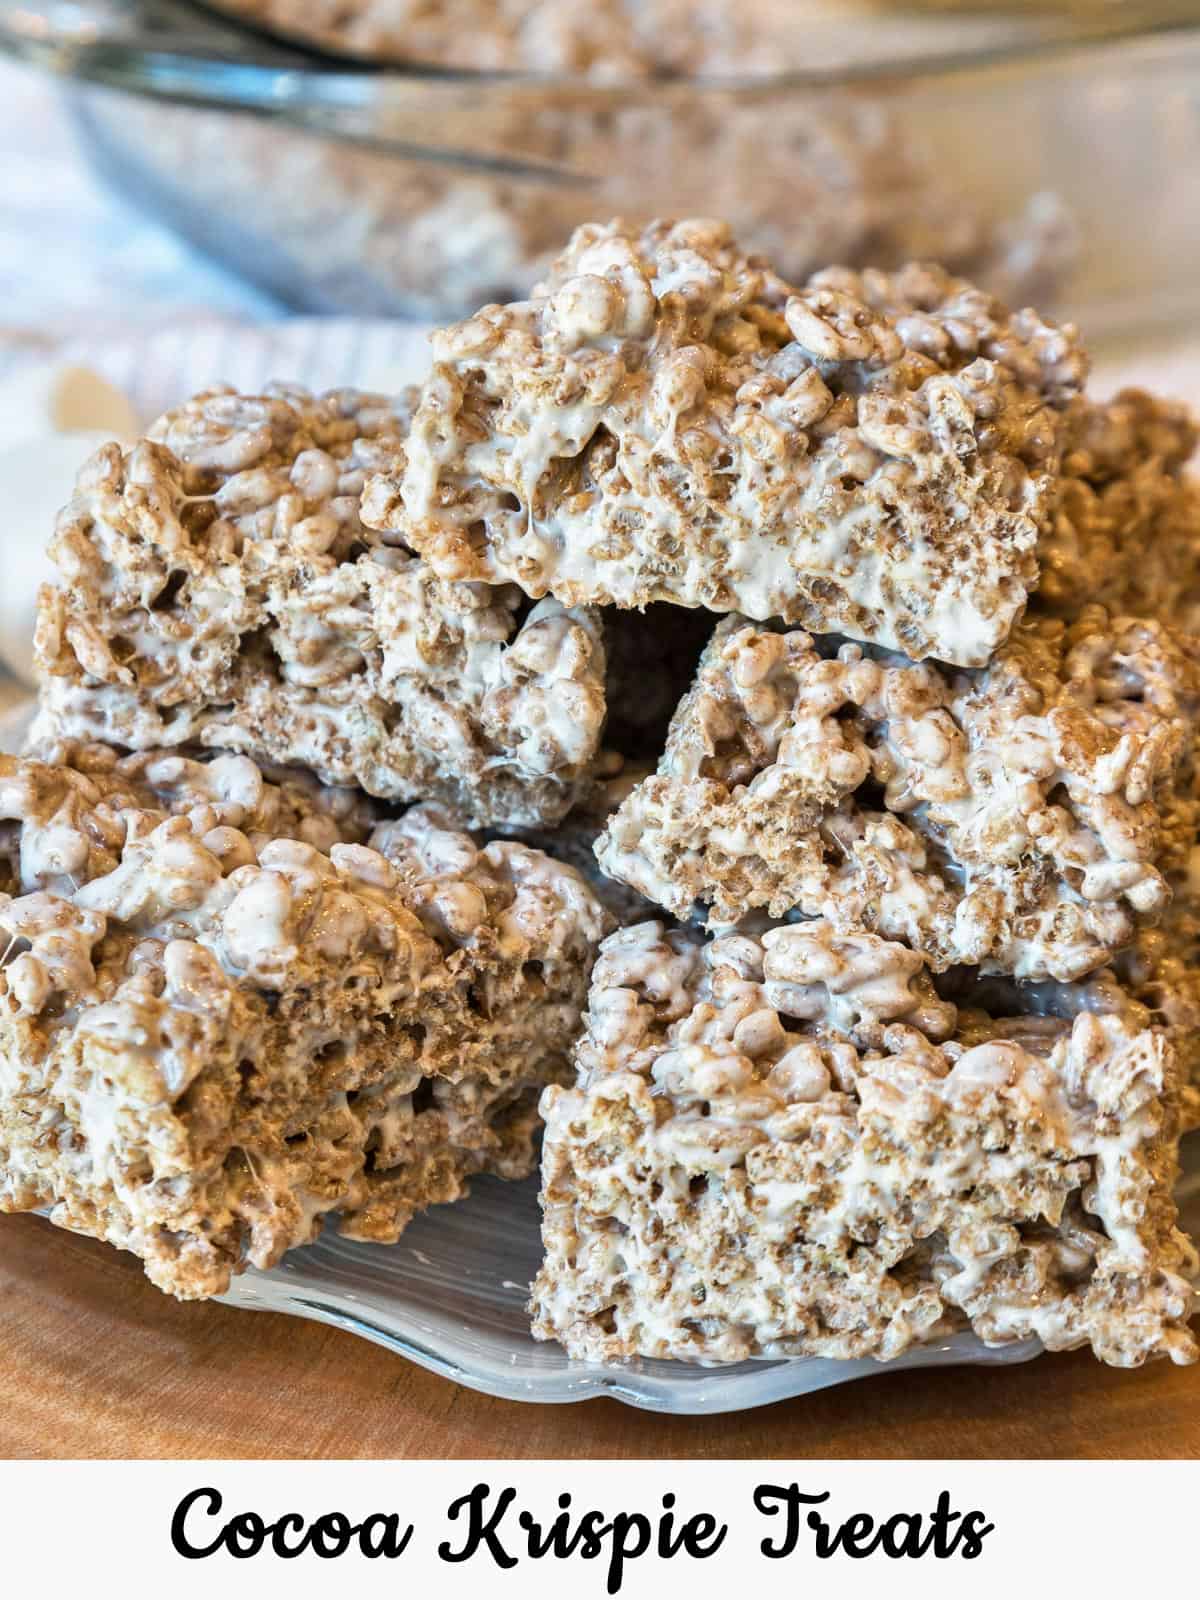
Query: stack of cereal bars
x,y
754,723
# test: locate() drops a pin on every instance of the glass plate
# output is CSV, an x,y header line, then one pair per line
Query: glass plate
x,y
451,1297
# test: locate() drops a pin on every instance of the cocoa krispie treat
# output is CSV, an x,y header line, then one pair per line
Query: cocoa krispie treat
x,y
1155,982
666,419
1126,531
1017,818
1162,969
1126,523
781,1146
216,588
223,1018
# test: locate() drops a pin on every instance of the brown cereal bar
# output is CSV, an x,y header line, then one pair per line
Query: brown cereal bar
x,y
768,1154
223,1016
1016,818
1154,982
604,41
1162,968
217,588
1125,530
666,419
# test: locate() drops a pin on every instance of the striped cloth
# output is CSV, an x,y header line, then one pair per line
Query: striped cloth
x,y
159,371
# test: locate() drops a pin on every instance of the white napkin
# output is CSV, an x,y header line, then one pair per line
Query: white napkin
x,y
36,478
52,417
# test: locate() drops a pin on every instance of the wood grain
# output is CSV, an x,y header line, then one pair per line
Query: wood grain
x,y
96,1363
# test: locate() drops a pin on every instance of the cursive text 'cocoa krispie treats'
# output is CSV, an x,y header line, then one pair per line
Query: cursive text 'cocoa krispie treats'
x,y
872,454
1017,818
223,1016
217,588
779,1146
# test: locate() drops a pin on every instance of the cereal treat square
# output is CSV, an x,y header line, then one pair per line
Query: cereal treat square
x,y
1017,818
217,588
1125,529
223,1017
782,1145
1162,969
666,419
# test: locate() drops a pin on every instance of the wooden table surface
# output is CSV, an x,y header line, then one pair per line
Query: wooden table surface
x,y
94,1362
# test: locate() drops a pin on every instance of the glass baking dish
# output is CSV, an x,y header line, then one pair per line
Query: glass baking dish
x,y
1052,152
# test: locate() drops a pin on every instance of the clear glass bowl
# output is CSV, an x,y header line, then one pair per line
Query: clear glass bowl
x,y
451,1296
1016,144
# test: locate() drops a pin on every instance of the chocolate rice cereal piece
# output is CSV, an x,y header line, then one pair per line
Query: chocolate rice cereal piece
x,y
217,588
1019,818
764,1155
223,1020
666,419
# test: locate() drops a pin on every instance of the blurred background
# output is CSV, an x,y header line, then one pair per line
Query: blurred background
x,y
416,158
297,188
